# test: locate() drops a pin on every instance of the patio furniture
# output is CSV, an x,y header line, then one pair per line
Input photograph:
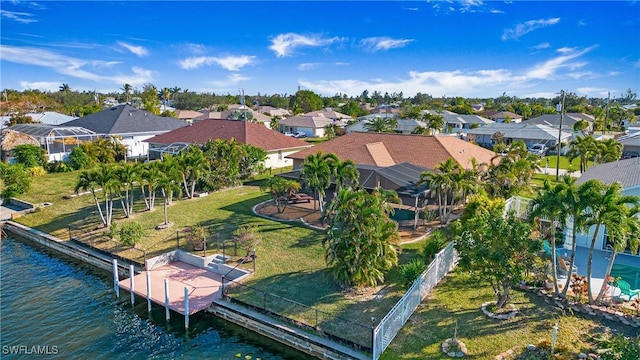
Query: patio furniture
x,y
563,267
298,197
625,290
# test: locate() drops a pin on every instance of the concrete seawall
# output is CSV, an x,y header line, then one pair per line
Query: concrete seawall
x,y
74,250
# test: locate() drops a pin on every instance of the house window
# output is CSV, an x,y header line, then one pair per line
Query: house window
x,y
280,155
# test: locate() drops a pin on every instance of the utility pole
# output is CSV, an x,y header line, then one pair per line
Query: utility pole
x,y
606,113
559,144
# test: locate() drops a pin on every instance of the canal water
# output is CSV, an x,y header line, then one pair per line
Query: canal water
x,y
60,308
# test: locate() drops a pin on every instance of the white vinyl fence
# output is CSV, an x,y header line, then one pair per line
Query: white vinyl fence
x,y
391,324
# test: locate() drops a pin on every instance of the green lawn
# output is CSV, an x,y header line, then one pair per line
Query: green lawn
x,y
458,300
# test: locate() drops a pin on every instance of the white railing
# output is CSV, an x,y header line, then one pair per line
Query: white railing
x,y
391,324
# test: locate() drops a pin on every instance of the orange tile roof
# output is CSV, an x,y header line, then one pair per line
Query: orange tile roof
x,y
419,150
243,131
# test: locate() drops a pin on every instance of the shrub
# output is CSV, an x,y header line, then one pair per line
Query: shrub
x,y
16,179
411,270
37,171
433,245
130,233
247,237
620,348
58,167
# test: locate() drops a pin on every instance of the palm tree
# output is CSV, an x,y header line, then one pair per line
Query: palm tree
x,y
127,92
344,172
583,147
65,88
280,189
150,176
127,174
434,122
169,183
87,181
609,150
607,205
421,130
381,125
445,184
316,174
626,232
165,94
548,204
193,164
513,173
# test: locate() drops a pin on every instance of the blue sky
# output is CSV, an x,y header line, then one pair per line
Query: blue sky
x,y
470,48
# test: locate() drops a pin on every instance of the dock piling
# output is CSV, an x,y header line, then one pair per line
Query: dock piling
x,y
186,308
166,299
131,276
148,291
116,279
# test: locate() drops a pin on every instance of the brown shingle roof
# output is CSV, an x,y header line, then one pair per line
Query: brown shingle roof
x,y
243,131
419,150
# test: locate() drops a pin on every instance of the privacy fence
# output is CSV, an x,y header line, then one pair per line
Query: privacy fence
x,y
368,338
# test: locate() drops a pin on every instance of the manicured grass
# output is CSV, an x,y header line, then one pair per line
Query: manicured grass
x,y
458,300
290,258
564,163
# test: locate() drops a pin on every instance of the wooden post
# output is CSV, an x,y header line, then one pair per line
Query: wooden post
x,y
148,291
166,299
131,275
186,308
116,280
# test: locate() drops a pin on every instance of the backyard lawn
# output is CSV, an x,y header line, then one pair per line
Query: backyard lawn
x,y
290,264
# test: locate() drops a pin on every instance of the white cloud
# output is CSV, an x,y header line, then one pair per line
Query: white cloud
x,y
593,91
284,44
308,66
548,69
544,45
494,11
636,63
383,43
232,81
527,27
482,82
21,17
231,63
41,85
139,51
74,67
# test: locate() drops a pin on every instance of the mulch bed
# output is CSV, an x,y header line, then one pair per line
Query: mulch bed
x,y
312,217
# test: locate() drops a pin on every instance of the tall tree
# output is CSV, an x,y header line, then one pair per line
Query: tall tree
x,y
193,164
127,174
127,89
444,184
382,125
305,101
495,248
169,183
102,177
434,122
280,190
316,174
607,205
361,243
584,148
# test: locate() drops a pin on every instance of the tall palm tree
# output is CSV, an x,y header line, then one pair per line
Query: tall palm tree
x,y
445,184
101,177
169,183
584,148
65,88
127,92
316,174
344,173
165,94
280,190
607,205
434,122
150,176
381,125
625,232
193,164
127,174
548,204
609,150
512,173
87,181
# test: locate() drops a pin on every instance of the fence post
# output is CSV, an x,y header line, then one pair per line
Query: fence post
x,y
144,254
116,280
69,227
204,243
131,276
186,308
222,287
374,353
148,291
166,299
177,240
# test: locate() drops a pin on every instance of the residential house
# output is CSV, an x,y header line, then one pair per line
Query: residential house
x,y
457,123
568,121
50,118
395,161
501,116
236,112
330,114
312,126
489,135
188,115
403,126
58,141
627,174
128,124
277,145
271,111
630,144
386,149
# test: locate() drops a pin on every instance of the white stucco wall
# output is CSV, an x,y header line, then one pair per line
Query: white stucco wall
x,y
277,159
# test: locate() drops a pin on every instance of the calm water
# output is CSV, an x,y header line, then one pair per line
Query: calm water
x,y
69,310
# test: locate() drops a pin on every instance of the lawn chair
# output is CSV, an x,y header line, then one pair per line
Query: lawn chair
x,y
625,290
563,267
